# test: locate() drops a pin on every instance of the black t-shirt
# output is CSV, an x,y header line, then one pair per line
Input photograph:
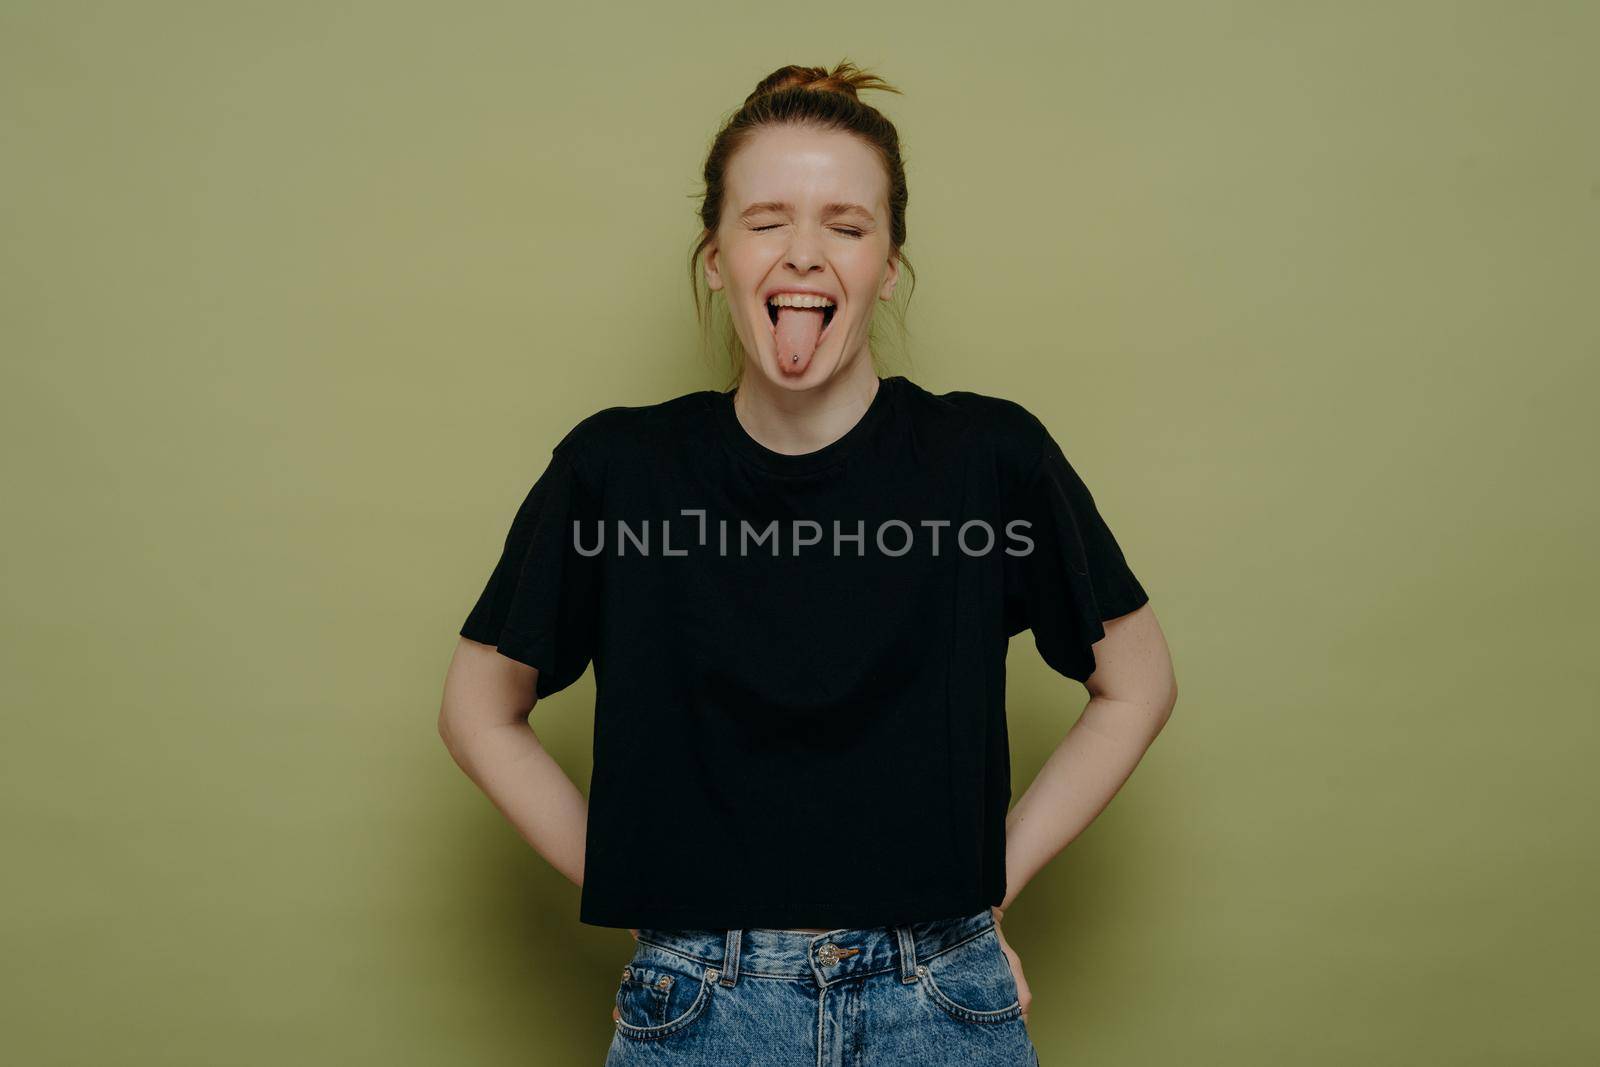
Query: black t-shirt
x,y
793,729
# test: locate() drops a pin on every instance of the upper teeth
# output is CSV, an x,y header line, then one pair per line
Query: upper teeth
x,y
799,300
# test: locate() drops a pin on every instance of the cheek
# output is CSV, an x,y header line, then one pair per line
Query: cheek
x,y
745,259
864,268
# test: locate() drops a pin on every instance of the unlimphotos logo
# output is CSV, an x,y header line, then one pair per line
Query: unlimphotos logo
x,y
891,537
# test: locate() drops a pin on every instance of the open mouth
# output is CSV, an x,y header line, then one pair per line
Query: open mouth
x,y
800,322
827,315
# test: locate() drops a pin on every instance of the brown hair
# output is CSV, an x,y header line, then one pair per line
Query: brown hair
x,y
796,96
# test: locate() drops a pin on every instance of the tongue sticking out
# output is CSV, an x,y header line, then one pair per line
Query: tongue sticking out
x,y
798,330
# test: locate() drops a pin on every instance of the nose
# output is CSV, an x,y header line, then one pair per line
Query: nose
x,y
804,252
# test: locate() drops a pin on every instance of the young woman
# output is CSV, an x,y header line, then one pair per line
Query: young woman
x,y
797,595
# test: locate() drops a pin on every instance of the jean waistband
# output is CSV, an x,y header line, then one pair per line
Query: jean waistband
x,y
827,958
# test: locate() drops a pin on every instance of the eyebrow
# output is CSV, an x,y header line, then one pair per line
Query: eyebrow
x,y
836,208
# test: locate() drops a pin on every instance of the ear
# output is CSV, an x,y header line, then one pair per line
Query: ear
x,y
886,290
713,275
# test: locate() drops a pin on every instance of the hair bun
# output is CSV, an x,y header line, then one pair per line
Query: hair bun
x,y
846,78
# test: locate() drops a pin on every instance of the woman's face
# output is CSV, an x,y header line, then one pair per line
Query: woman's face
x,y
803,209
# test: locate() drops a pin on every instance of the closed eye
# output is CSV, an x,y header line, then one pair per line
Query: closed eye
x,y
837,229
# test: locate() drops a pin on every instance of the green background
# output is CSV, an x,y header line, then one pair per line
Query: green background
x,y
297,297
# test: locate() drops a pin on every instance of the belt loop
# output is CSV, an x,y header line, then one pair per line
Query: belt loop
x,y
908,954
730,957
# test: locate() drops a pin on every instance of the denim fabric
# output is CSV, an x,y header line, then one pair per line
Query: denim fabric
x,y
926,994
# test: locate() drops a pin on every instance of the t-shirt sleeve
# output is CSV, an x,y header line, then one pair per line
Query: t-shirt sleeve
x,y
1074,577
539,605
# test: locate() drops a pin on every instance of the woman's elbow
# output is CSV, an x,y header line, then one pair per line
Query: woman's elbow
x,y
449,727
443,724
1169,700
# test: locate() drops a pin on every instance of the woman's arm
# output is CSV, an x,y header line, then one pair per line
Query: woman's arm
x,y
1131,695
483,720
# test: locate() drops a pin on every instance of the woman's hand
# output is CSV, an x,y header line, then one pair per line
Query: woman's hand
x,y
1023,994
615,1014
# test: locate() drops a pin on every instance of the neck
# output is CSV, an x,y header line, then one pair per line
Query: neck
x,y
803,419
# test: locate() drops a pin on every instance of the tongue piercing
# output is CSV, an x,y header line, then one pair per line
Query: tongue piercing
x,y
795,358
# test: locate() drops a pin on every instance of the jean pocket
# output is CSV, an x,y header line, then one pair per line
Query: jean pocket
x,y
972,981
661,993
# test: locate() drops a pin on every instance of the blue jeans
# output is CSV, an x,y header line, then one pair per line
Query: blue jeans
x,y
923,995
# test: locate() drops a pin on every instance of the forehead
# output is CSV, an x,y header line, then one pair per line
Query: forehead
x,y
807,168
